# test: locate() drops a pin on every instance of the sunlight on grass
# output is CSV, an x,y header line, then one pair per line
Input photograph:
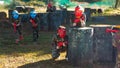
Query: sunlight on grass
x,y
11,61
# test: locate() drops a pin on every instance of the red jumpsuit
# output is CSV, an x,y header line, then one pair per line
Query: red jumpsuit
x,y
78,16
62,34
60,42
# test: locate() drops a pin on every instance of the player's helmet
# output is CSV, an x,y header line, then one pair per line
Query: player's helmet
x,y
61,31
33,14
15,14
81,8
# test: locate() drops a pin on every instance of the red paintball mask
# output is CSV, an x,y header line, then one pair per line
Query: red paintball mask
x,y
61,32
77,8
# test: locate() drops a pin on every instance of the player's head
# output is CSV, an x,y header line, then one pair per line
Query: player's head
x,y
63,27
61,31
33,14
79,7
15,14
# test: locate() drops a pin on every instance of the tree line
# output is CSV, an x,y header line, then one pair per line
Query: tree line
x,y
117,2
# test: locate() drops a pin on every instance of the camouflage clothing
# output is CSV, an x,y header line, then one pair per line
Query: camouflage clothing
x,y
34,23
17,29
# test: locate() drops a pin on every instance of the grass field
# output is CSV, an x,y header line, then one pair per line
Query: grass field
x,y
27,54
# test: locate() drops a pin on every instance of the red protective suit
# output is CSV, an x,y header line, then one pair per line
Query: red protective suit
x,y
60,42
78,14
80,17
61,39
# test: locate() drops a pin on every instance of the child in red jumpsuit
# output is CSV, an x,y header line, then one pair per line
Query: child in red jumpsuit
x,y
60,41
80,17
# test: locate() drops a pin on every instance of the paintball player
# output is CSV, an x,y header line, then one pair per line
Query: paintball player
x,y
34,22
17,25
115,30
50,10
60,42
80,17
116,43
50,7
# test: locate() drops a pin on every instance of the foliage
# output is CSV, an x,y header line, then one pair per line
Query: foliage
x,y
2,7
30,3
45,1
109,9
117,4
14,3
35,3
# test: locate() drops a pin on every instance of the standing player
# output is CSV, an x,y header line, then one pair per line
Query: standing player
x,y
16,22
34,22
80,17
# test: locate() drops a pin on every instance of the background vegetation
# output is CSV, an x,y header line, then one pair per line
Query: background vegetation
x,y
41,3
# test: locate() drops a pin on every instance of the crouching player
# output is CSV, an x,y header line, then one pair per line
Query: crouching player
x,y
60,42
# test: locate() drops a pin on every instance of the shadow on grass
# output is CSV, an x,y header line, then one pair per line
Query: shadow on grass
x,y
65,64
48,64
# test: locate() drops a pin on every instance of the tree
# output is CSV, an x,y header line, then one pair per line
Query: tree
x,y
26,0
117,4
